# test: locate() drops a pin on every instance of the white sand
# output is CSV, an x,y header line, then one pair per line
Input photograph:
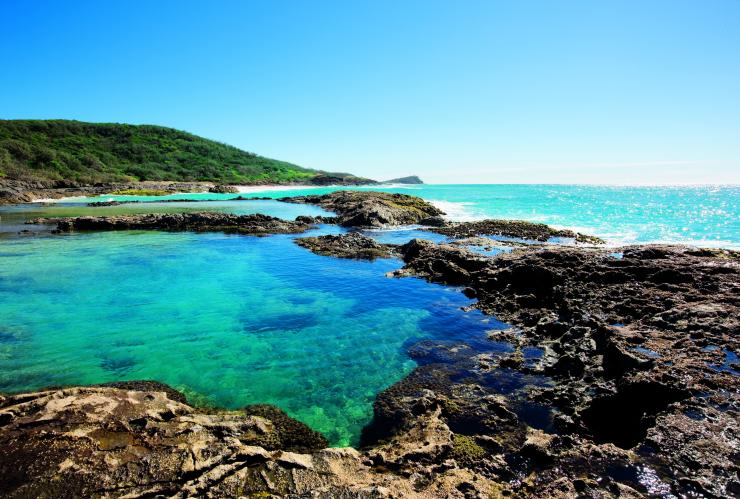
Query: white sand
x,y
265,188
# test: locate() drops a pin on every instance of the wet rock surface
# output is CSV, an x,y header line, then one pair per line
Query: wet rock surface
x,y
255,224
352,245
114,442
631,394
511,228
373,209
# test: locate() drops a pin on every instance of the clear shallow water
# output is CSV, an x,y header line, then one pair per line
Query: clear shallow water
x,y
700,215
230,320
233,320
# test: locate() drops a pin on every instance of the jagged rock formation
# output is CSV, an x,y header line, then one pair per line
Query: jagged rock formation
x,y
636,370
372,209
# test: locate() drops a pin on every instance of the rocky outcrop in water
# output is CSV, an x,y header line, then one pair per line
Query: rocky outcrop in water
x,y
636,375
373,209
123,442
511,228
352,245
256,224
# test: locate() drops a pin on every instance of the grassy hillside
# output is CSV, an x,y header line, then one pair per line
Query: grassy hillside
x,y
107,152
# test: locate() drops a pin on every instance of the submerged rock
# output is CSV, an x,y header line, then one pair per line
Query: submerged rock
x,y
255,224
352,245
371,209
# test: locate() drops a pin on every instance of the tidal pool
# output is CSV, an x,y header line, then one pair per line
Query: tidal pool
x,y
230,320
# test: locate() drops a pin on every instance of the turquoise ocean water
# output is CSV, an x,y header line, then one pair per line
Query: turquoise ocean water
x,y
701,215
233,320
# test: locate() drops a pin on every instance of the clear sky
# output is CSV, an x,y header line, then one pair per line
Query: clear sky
x,y
587,91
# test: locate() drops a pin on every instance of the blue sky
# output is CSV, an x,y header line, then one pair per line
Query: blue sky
x,y
519,91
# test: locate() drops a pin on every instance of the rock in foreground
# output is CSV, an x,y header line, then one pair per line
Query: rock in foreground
x,y
255,224
635,369
373,209
114,442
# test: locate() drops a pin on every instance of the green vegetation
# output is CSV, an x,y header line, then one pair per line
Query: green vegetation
x,y
465,451
107,152
140,192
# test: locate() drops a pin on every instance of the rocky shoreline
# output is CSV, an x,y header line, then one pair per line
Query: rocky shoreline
x,y
636,345
17,191
617,378
27,191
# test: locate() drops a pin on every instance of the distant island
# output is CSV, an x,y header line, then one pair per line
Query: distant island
x,y
92,153
412,179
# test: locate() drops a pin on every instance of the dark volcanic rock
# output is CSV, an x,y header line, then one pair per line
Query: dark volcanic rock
x,y
512,228
289,435
352,245
256,224
625,343
371,209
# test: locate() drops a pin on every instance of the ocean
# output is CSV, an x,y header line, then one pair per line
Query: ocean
x,y
707,215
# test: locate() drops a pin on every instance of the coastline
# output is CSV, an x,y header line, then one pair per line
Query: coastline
x,y
610,333
455,211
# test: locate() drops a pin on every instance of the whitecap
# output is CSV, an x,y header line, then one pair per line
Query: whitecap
x,y
457,211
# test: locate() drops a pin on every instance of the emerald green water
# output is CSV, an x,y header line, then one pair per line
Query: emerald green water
x,y
230,320
235,320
